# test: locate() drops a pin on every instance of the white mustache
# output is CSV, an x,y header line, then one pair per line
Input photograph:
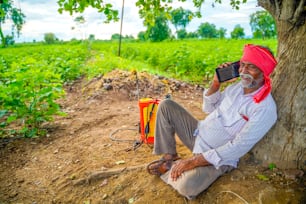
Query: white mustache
x,y
248,81
246,76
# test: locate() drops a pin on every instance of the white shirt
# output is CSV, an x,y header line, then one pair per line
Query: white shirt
x,y
234,125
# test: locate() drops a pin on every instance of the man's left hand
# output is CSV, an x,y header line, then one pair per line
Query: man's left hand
x,y
187,164
179,167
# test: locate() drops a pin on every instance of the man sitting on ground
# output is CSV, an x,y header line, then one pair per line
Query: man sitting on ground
x,y
238,118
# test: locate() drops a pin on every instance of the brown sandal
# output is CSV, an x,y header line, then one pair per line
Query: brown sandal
x,y
161,166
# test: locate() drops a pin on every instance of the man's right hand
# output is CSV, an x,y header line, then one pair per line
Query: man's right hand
x,y
215,85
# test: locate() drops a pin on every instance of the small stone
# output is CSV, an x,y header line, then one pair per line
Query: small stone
x,y
76,161
20,181
104,183
107,87
293,174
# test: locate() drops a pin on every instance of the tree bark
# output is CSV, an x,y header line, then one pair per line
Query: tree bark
x,y
285,144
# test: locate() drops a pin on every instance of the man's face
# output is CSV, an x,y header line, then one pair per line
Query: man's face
x,y
251,75
249,68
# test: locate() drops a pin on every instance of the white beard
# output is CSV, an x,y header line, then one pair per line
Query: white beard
x,y
248,81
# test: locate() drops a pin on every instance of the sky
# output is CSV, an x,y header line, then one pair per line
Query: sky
x,y
42,17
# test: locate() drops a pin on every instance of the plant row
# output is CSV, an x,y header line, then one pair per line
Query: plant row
x,y
31,80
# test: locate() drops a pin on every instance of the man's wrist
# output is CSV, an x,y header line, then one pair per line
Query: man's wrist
x,y
214,87
199,160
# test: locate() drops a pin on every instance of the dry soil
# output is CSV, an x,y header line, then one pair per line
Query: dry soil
x,y
90,156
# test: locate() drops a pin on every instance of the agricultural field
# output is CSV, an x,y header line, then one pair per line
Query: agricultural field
x,y
188,60
69,123
33,75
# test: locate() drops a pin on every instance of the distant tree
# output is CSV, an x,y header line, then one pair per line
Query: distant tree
x,y
75,41
129,37
50,38
9,40
207,30
116,36
91,37
180,18
142,36
181,34
257,34
8,12
221,32
192,35
160,30
238,32
262,25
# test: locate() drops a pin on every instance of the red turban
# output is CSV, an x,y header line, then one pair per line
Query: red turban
x,y
265,61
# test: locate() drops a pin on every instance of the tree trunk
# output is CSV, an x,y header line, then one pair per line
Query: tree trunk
x,y
285,143
2,37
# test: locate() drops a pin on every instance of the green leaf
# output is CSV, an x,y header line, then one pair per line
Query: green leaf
x,y
262,177
30,133
2,113
11,118
3,124
272,166
2,13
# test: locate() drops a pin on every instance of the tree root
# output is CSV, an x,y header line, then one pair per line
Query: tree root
x,y
94,176
240,197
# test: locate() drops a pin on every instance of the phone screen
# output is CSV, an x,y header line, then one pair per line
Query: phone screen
x,y
227,73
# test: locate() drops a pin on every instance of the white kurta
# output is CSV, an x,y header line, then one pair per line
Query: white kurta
x,y
234,125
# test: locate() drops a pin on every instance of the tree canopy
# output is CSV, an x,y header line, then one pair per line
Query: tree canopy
x,y
79,6
8,12
238,32
160,30
262,25
181,17
50,38
148,9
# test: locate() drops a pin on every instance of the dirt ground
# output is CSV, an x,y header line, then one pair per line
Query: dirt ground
x,y
89,156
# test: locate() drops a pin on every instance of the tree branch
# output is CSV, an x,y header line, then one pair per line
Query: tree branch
x,y
277,9
297,17
105,174
270,5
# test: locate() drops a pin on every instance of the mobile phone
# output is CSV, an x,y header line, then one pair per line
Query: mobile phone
x,y
227,73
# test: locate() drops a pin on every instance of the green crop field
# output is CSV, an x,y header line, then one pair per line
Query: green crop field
x,y
32,75
189,60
